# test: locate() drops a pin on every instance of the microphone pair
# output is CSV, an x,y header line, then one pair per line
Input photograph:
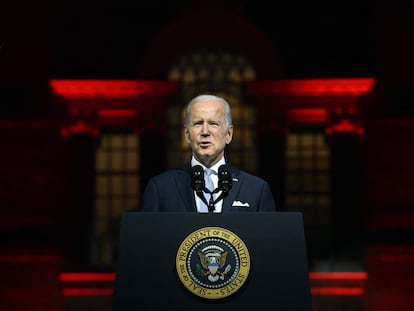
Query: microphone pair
x,y
225,183
224,179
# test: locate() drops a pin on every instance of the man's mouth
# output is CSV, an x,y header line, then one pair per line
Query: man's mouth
x,y
205,144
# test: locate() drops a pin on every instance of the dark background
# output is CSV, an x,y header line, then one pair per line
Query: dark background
x,y
316,39
45,39
104,39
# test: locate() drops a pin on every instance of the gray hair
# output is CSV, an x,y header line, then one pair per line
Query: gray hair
x,y
208,97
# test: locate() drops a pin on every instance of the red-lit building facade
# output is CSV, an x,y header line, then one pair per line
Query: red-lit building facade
x,y
338,150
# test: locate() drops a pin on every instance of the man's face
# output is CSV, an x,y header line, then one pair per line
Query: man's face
x,y
207,131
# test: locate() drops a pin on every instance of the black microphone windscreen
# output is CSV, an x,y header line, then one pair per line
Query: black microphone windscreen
x,y
225,180
197,178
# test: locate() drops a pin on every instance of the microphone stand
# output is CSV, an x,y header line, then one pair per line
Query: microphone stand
x,y
198,184
211,203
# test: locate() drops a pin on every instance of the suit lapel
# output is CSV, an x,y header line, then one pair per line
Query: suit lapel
x,y
183,182
228,201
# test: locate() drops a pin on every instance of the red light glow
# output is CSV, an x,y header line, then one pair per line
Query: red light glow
x,y
337,291
87,277
338,275
110,277
80,127
111,88
312,275
314,87
319,115
345,126
87,291
117,113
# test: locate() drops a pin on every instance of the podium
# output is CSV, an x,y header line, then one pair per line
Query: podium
x,y
224,261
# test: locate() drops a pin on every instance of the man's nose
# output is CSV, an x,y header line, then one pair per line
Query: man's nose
x,y
205,129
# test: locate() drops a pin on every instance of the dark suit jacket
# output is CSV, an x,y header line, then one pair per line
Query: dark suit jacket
x,y
171,192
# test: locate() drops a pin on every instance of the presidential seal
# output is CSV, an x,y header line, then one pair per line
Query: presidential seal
x,y
213,262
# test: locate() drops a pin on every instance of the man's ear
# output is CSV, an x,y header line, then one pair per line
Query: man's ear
x,y
229,137
187,135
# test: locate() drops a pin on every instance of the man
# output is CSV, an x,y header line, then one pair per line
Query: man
x,y
208,130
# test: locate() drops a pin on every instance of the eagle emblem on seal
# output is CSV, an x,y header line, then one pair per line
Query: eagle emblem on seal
x,y
213,261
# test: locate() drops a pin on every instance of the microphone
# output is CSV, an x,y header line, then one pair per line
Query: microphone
x,y
225,182
197,182
197,178
224,179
